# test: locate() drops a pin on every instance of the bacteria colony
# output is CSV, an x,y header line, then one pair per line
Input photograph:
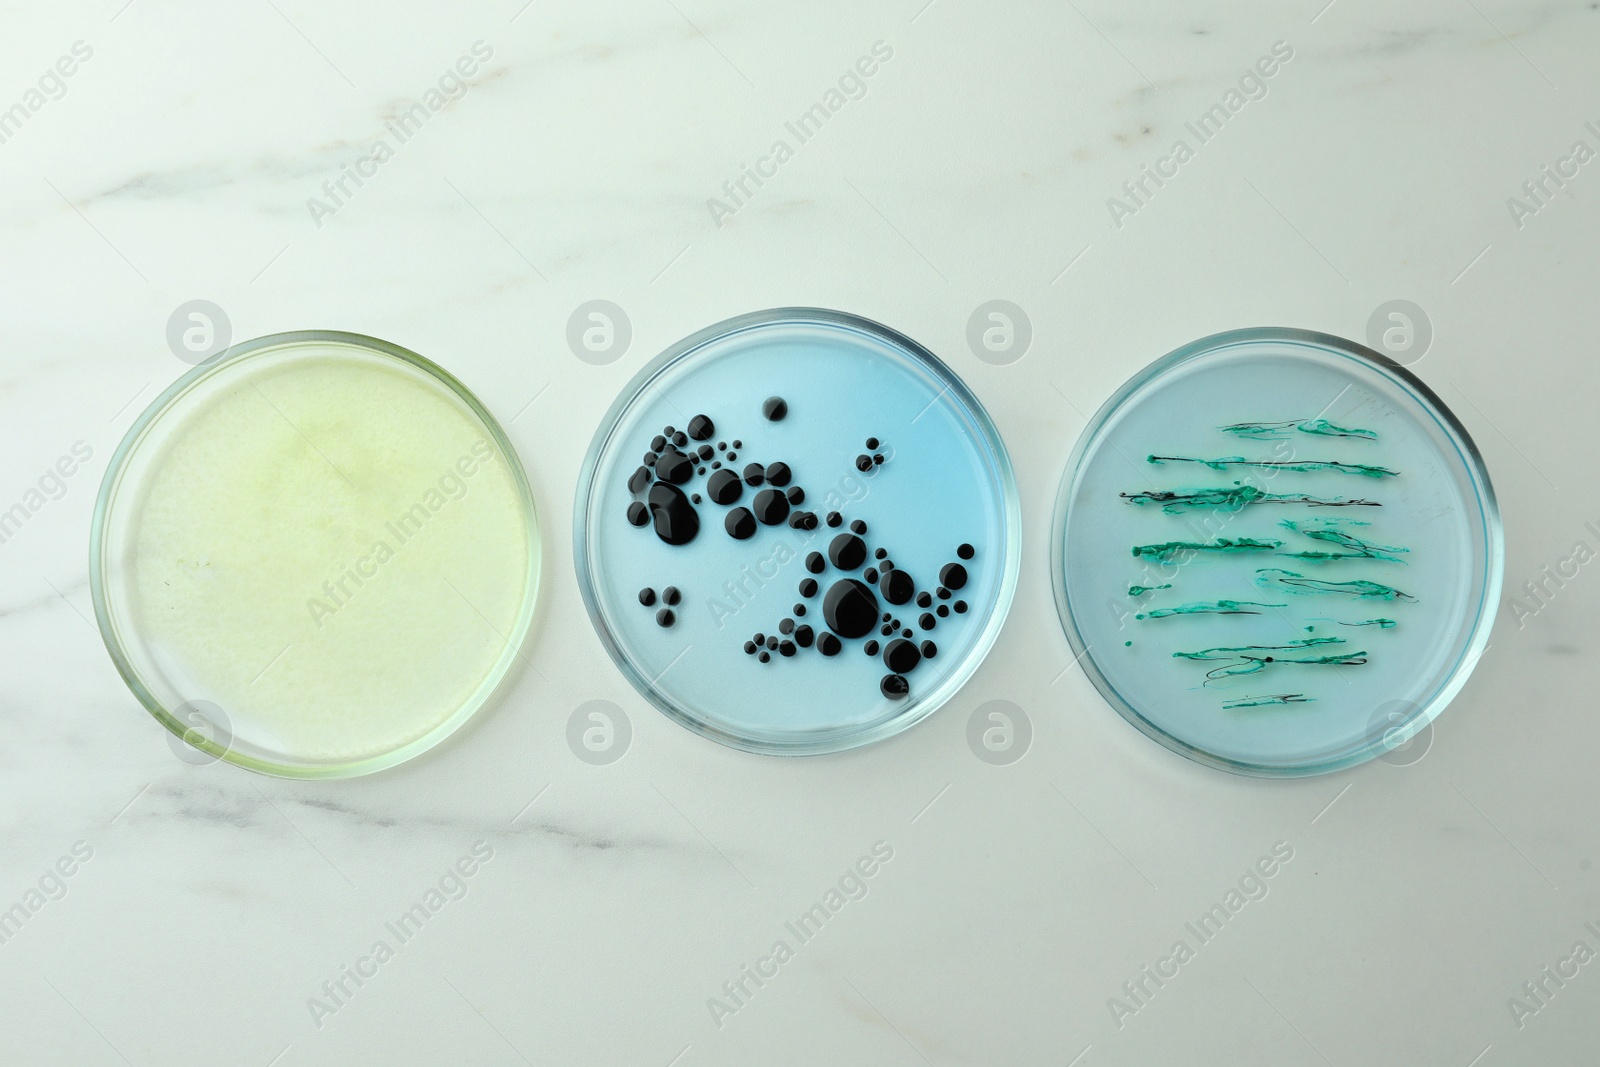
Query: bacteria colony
x,y
796,533
1272,553
861,579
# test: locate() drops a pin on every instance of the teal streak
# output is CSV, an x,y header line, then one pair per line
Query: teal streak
x,y
1279,430
1297,645
1299,584
1167,549
1303,466
1214,607
1174,501
1355,547
1280,698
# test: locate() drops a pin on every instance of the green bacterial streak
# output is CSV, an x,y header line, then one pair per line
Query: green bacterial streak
x,y
1355,546
1273,465
1255,664
1217,607
1298,645
1299,584
1173,501
1141,590
1167,549
1280,698
1382,624
1278,430
1247,659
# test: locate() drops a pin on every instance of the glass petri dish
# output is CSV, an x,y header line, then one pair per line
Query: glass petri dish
x,y
1277,552
819,482
314,556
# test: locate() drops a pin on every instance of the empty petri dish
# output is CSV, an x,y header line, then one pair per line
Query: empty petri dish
x,y
796,532
1277,552
314,556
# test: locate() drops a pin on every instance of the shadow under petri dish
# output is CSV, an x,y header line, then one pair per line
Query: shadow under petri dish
x,y
796,532
1277,552
315,556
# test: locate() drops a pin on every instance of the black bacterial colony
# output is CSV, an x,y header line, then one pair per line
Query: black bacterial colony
x,y
862,582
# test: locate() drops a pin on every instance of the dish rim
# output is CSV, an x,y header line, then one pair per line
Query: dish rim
x,y
106,499
1491,575
829,741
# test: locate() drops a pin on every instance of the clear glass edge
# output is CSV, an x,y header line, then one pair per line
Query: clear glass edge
x,y
112,479
833,740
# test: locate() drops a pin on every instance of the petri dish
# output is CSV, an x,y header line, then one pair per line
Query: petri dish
x,y
796,532
1277,552
314,556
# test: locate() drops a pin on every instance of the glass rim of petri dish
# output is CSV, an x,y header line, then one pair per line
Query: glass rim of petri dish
x,y
1487,580
587,503
117,638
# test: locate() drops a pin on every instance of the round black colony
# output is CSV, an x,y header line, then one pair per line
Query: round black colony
x,y
852,602
850,608
670,595
771,507
740,523
723,487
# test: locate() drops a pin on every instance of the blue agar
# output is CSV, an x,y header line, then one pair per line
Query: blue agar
x,y
1297,538
859,426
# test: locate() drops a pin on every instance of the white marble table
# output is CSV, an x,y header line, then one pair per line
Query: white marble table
x,y
206,907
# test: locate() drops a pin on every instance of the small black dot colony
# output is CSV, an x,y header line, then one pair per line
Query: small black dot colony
x,y
764,494
757,494
669,599
852,607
